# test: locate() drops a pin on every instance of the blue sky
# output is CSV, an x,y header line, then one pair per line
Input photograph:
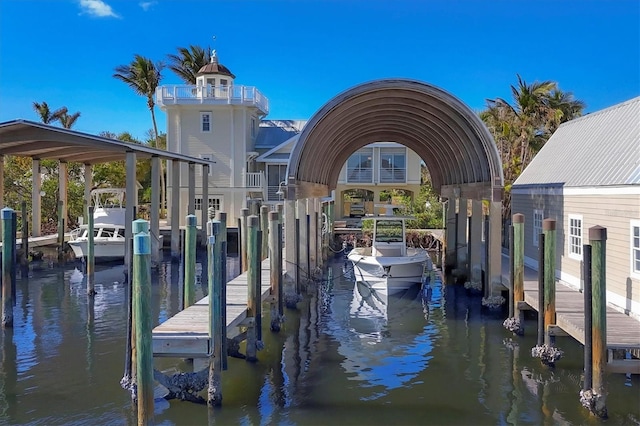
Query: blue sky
x,y
300,54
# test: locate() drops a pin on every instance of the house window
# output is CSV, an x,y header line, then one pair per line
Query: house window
x,y
213,202
575,237
537,226
393,168
635,248
253,127
360,167
223,82
208,157
205,122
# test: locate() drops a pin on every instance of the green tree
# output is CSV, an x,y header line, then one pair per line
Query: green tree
x,y
521,129
143,76
68,120
188,61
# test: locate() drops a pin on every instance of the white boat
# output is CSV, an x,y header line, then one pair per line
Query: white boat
x,y
389,266
108,227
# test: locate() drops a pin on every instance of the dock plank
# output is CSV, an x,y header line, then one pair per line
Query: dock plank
x,y
186,334
623,331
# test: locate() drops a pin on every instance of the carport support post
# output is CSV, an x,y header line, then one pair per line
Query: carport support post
x,y
205,203
264,226
88,183
24,259
90,252
175,210
60,228
549,231
1,181
36,200
62,191
598,238
312,232
130,205
154,214
244,214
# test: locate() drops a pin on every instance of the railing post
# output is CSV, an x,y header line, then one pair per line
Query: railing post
x,y
142,309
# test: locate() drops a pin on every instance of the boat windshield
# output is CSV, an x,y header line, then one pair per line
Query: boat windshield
x,y
389,231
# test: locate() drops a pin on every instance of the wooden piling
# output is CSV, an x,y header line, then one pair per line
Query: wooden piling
x,y
275,263
598,238
214,250
541,269
549,230
588,318
143,324
90,253
14,255
257,293
24,259
244,214
264,226
512,301
296,244
253,277
60,229
8,245
222,218
190,242
518,264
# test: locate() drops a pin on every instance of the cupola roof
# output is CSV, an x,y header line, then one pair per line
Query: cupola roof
x,y
214,67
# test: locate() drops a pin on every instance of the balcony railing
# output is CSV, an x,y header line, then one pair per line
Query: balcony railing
x,y
396,175
211,95
254,180
359,175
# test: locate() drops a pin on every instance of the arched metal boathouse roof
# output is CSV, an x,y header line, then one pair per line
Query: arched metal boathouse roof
x,y
450,138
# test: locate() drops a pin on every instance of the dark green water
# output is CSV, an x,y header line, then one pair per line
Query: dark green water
x,y
437,359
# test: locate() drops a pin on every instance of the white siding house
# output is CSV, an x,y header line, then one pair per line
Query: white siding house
x,y
588,174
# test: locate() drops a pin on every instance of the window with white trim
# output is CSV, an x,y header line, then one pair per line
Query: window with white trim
x,y
205,122
216,203
538,216
635,248
575,236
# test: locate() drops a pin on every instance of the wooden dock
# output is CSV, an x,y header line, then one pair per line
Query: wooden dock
x,y
186,334
623,332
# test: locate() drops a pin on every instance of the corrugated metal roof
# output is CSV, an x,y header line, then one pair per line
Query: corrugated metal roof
x,y
273,132
599,149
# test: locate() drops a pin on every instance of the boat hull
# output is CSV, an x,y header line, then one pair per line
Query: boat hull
x,y
104,251
390,274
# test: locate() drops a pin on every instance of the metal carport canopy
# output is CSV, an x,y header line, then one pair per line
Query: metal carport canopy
x,y
24,138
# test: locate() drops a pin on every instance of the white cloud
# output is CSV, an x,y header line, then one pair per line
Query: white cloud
x,y
146,5
97,8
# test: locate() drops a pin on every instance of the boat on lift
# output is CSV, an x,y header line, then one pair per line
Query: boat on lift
x,y
108,227
388,265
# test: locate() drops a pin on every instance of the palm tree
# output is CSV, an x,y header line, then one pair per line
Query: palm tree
x,y
188,62
521,130
67,121
143,76
46,116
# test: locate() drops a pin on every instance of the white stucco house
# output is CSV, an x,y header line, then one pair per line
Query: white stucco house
x,y
225,122
588,174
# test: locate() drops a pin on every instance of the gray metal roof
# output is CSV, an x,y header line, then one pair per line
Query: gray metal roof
x,y
599,149
25,138
273,132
